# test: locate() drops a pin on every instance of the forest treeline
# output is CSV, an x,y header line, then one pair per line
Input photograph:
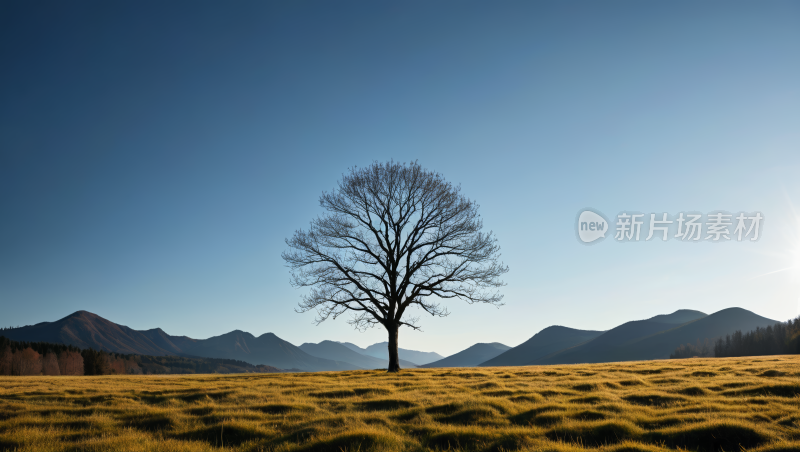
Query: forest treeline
x,y
782,338
44,358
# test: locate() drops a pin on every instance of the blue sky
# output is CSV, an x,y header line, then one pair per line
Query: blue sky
x,y
154,156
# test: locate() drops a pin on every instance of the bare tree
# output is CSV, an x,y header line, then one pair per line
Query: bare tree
x,y
6,356
394,236
50,364
26,362
70,362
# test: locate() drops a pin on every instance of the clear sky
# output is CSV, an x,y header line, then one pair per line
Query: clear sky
x,y
155,155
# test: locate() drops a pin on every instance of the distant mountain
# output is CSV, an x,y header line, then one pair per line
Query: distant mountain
x,y
355,348
471,356
381,350
563,341
609,346
653,338
650,339
718,324
543,343
266,349
167,342
339,352
86,330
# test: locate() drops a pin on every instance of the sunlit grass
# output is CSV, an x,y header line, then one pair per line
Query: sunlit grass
x,y
729,404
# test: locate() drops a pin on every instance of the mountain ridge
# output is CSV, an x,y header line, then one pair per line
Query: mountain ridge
x,y
679,317
339,352
653,338
645,339
471,356
87,330
381,350
547,341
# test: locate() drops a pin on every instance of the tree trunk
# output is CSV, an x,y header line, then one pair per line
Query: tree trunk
x,y
394,356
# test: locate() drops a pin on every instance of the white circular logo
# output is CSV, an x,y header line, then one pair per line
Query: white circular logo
x,y
591,226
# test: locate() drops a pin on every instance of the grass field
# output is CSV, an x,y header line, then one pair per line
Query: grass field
x,y
729,404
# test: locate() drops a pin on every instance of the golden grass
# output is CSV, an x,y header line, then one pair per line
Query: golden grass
x,y
729,404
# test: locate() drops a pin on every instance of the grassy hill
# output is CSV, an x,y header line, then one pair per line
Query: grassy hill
x,y
704,405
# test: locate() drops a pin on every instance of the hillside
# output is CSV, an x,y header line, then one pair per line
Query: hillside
x,y
471,356
167,342
339,352
721,323
171,365
381,350
86,330
609,346
564,342
54,359
543,343
648,339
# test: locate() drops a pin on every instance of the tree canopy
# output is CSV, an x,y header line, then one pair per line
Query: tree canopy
x,y
394,236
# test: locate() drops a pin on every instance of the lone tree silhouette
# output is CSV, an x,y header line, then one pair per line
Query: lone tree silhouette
x,y
393,236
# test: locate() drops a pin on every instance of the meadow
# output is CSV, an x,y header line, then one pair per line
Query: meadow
x,y
709,404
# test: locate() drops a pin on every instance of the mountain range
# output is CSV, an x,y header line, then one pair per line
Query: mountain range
x,y
381,350
340,352
653,338
87,330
